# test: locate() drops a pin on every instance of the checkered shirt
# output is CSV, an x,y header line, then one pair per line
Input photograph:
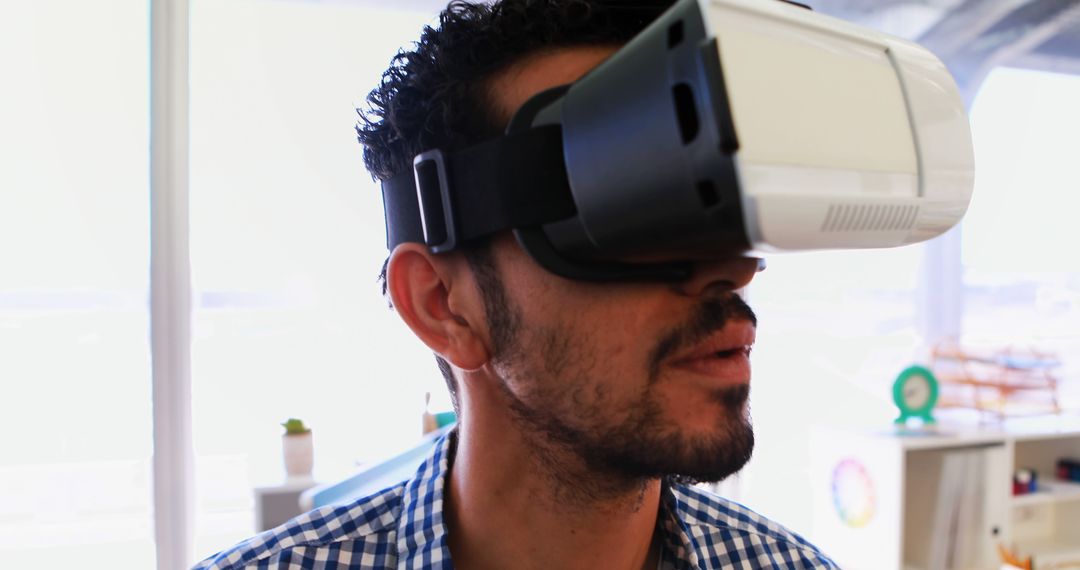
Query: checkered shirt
x,y
402,527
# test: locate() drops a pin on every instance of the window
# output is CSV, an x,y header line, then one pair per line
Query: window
x,y
287,241
834,330
1021,270
74,353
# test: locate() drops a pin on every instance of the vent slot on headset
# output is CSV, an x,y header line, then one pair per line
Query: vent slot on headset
x,y
869,218
686,111
710,198
674,34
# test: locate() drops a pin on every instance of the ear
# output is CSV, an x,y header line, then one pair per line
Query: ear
x,y
432,295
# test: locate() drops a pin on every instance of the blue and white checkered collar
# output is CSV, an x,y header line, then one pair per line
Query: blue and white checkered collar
x,y
679,547
422,530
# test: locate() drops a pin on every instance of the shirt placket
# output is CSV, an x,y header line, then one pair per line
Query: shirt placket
x,y
679,552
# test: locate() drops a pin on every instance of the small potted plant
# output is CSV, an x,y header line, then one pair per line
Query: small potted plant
x,y
297,448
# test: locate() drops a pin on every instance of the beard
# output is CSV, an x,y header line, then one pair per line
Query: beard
x,y
548,379
646,446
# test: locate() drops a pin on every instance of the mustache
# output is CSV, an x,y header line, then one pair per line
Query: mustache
x,y
712,315
733,397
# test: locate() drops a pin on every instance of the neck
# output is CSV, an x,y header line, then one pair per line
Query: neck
x,y
516,501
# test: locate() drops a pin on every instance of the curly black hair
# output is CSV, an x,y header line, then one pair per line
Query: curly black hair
x,y
435,96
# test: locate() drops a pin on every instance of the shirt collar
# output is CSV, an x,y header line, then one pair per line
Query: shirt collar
x,y
421,531
680,549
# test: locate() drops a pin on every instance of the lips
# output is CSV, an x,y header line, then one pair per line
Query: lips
x,y
723,356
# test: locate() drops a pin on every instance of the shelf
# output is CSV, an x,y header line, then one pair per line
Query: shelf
x,y
1014,386
916,475
1050,551
1050,492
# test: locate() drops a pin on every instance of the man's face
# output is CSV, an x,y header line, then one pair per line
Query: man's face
x,y
638,379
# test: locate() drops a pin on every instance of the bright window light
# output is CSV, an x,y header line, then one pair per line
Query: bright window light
x,y
1021,269
287,239
834,329
75,481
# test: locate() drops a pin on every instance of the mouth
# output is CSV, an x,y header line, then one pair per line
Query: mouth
x,y
744,350
723,357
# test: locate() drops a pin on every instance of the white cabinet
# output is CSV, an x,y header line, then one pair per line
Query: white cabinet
x,y
1046,524
889,499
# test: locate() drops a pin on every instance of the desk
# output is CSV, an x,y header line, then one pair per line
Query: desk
x,y
275,504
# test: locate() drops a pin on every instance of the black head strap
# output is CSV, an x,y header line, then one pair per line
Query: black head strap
x,y
512,181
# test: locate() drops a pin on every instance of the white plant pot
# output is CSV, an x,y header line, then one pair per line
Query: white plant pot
x,y
299,453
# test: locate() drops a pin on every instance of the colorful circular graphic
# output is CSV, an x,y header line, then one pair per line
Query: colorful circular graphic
x,y
853,493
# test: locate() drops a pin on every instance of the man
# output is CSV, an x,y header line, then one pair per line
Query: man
x,y
583,407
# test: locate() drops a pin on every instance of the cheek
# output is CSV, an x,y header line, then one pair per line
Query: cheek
x,y
575,370
608,320
590,341
601,334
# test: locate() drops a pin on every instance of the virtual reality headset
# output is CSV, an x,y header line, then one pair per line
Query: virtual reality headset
x,y
725,128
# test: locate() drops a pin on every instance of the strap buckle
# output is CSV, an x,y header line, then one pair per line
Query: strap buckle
x,y
433,196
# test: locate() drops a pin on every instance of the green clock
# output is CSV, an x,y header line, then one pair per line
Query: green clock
x,y
915,392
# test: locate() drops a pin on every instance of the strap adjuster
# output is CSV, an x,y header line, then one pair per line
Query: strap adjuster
x,y
433,196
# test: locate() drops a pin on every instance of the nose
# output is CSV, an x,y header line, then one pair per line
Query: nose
x,y
729,274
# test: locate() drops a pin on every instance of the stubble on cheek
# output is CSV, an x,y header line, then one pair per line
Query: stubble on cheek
x,y
565,385
557,351
554,370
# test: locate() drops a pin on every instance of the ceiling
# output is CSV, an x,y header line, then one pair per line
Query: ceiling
x,y
974,36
